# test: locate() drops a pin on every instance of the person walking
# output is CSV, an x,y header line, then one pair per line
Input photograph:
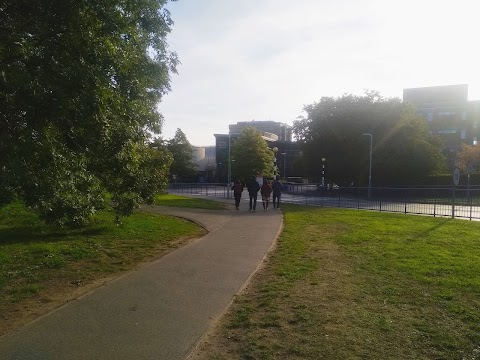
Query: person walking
x,y
277,188
237,193
265,190
253,186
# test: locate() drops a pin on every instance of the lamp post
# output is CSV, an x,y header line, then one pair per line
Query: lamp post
x,y
323,172
230,162
232,179
284,165
370,166
229,170
275,150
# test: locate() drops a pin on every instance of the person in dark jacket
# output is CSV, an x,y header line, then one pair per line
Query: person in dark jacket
x,y
237,193
277,188
265,190
253,187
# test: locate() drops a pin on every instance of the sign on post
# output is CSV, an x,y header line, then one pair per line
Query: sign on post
x,y
456,176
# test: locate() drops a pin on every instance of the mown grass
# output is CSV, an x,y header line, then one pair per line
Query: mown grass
x,y
186,202
348,284
39,261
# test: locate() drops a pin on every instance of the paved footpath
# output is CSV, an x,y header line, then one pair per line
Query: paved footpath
x,y
161,310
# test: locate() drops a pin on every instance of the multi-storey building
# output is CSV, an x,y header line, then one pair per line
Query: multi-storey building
x,y
449,113
275,133
280,131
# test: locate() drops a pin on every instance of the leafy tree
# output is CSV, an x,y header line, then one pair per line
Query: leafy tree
x,y
183,167
403,149
469,155
79,85
250,155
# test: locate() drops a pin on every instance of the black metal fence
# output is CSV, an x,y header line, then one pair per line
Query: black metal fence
x,y
459,202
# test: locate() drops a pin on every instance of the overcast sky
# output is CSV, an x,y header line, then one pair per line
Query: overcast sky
x,y
265,59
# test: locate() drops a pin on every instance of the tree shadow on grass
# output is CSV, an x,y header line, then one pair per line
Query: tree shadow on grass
x,y
22,235
430,230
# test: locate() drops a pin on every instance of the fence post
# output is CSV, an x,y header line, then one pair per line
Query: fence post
x,y
453,201
358,198
380,204
470,200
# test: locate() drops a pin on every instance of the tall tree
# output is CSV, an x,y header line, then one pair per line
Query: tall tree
x,y
403,149
80,81
183,168
250,155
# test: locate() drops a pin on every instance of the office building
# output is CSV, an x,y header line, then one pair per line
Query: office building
x,y
449,113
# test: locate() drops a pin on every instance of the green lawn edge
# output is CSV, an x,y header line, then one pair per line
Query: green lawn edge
x,y
349,284
37,260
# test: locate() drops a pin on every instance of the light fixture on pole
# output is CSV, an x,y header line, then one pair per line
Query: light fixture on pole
x,y
275,150
229,175
323,172
370,166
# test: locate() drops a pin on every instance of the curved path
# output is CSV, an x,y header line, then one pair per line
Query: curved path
x,y
161,310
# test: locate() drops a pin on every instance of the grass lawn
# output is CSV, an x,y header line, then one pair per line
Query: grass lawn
x,y
349,284
42,266
186,202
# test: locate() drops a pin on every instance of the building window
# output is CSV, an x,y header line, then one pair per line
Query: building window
x,y
445,113
475,124
464,115
447,131
430,117
463,134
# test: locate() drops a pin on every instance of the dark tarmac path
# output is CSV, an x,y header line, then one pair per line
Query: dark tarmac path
x,y
161,310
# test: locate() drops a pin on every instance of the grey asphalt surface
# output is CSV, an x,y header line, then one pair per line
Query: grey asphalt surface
x,y
161,310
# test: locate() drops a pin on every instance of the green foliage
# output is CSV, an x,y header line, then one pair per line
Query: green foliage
x,y
403,149
469,156
183,167
36,257
188,202
79,86
349,284
251,155
447,180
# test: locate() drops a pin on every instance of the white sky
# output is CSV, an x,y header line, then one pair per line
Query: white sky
x,y
265,59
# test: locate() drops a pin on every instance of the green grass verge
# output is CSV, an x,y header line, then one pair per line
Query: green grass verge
x,y
348,284
37,260
186,202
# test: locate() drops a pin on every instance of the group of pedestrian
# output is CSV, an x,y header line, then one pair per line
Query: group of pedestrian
x,y
266,190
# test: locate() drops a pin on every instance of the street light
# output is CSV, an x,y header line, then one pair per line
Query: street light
x,y
229,169
231,172
275,150
370,166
